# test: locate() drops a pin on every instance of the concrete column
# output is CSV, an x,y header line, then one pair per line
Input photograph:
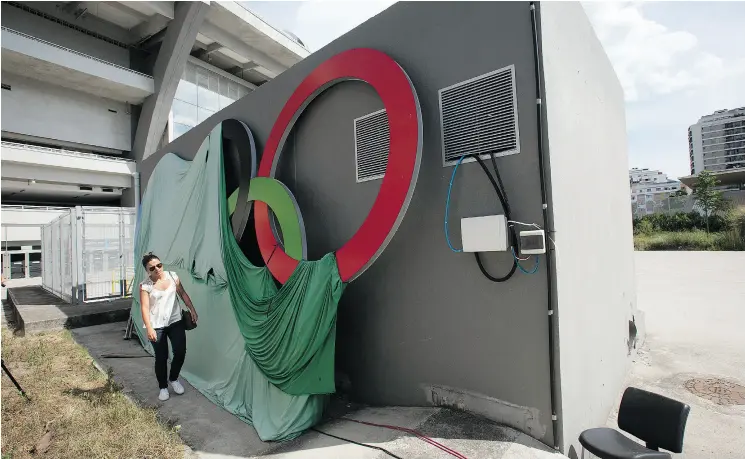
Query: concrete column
x,y
169,66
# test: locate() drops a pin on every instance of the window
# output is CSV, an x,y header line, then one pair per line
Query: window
x,y
180,129
203,114
187,90
185,113
199,95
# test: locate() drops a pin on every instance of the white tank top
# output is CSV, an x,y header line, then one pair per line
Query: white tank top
x,y
164,309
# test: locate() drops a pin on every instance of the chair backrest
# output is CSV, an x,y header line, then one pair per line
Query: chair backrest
x,y
653,418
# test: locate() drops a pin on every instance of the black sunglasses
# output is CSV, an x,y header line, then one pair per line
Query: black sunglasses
x,y
152,268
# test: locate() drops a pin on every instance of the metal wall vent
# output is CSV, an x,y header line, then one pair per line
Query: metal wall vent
x,y
371,145
480,116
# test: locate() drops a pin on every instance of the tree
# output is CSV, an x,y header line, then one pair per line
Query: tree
x,y
707,198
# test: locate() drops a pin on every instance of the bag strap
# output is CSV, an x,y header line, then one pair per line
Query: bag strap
x,y
179,300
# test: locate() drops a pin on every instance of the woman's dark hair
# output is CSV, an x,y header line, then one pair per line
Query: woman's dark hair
x,y
147,258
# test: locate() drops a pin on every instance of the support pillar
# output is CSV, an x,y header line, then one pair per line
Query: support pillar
x,y
169,66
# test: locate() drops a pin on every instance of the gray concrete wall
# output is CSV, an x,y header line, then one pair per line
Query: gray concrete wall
x,y
595,285
39,27
422,315
53,112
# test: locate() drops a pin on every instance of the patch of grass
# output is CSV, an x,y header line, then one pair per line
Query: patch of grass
x,y
85,410
690,240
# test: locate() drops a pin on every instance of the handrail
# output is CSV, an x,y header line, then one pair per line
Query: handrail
x,y
61,151
31,37
26,207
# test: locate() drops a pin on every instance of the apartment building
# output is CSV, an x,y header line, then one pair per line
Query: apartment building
x,y
652,182
717,142
89,89
651,190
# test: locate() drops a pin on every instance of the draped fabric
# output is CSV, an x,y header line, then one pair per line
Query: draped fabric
x,y
264,353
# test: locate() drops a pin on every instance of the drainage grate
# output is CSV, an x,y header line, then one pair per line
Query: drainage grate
x,y
717,390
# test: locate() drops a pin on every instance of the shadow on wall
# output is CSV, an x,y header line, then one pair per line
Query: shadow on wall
x,y
631,342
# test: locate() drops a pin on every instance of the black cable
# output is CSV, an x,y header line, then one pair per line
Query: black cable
x,y
15,383
497,189
357,443
499,179
486,274
555,407
507,212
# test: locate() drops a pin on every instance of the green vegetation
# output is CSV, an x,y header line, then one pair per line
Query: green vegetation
x,y
720,227
680,221
707,198
687,231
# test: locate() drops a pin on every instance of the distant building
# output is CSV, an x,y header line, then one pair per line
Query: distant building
x,y
651,190
717,142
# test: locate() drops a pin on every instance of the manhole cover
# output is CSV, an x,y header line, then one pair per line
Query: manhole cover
x,y
717,390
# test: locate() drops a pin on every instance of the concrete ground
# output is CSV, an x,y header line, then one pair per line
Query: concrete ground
x,y
36,310
695,319
11,283
212,432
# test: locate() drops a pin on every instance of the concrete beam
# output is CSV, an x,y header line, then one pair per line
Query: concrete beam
x,y
249,52
150,27
128,10
153,40
163,8
247,66
169,66
211,48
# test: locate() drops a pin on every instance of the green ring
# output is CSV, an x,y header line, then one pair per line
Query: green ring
x,y
280,200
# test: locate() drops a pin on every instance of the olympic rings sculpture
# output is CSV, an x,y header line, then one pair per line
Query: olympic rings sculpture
x,y
265,192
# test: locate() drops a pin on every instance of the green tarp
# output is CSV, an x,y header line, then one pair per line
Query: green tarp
x,y
264,353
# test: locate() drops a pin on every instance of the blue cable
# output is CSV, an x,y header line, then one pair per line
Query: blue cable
x,y
517,260
447,206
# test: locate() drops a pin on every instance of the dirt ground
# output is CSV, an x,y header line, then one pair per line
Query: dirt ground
x,y
74,410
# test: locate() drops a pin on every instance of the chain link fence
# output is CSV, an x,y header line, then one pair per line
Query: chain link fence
x,y
88,254
647,205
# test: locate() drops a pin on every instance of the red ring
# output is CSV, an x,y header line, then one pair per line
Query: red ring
x,y
404,120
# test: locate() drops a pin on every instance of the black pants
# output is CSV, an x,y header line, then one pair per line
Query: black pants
x,y
177,334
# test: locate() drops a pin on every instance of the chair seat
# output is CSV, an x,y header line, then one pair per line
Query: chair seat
x,y
608,443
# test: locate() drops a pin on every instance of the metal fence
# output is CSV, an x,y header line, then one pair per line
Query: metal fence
x,y
88,254
647,205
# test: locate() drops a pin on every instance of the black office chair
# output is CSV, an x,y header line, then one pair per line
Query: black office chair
x,y
658,421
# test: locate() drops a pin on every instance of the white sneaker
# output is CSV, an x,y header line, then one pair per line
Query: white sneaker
x,y
177,387
164,395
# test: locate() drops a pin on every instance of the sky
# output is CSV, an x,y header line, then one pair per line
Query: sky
x,y
676,61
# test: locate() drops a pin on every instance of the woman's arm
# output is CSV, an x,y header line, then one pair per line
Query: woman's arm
x,y
145,311
187,300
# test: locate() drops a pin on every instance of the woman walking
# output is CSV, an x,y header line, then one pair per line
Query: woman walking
x,y
161,314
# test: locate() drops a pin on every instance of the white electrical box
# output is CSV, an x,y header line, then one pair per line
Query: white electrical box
x,y
532,242
484,234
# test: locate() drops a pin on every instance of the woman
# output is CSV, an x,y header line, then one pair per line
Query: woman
x,y
162,317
